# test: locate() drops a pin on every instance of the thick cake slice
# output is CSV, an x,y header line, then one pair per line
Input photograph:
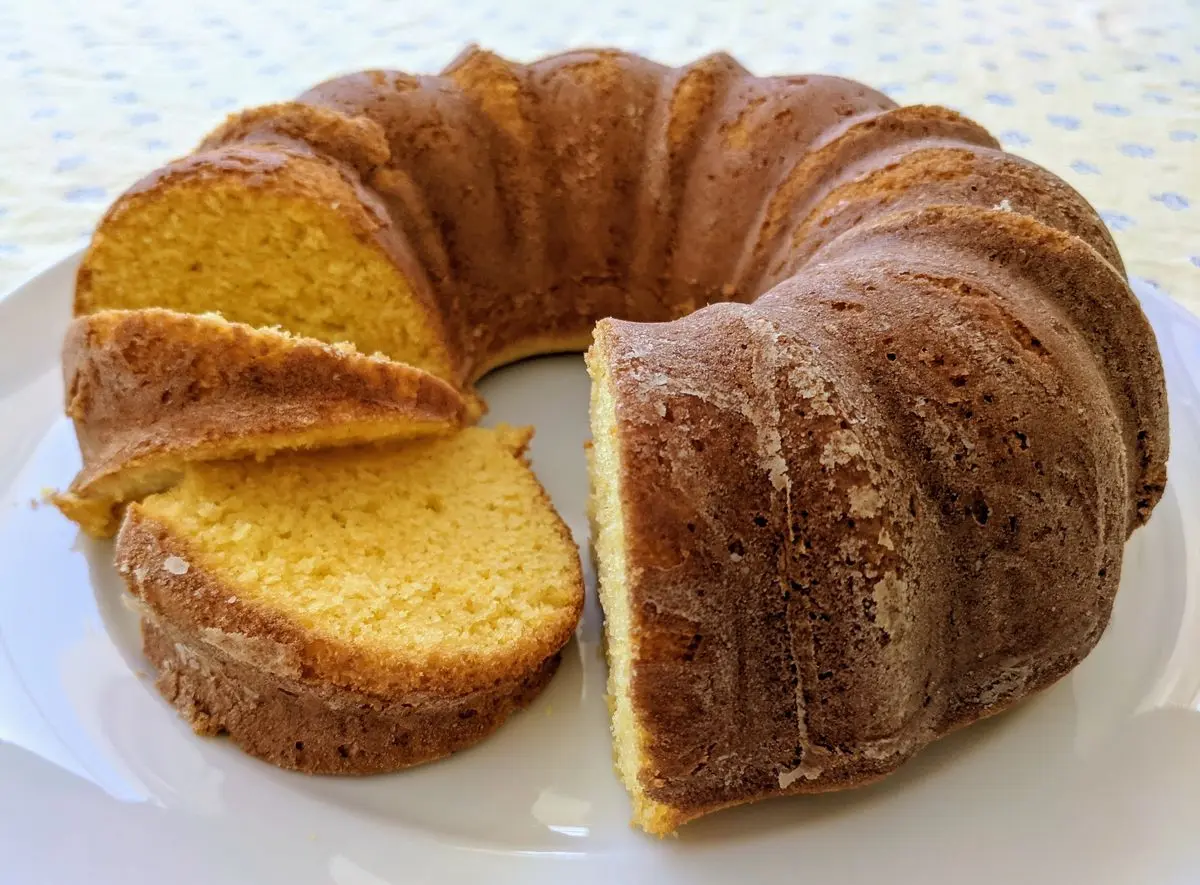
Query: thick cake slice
x,y
150,390
268,235
355,610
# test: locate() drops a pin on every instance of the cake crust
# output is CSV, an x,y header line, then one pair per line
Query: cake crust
x,y
150,390
314,727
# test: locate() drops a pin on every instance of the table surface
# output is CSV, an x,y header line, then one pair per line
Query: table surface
x,y
1105,93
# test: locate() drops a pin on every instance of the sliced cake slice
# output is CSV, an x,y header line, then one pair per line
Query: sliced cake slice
x,y
150,390
355,610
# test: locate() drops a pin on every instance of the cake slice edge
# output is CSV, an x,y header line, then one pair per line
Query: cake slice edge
x,y
150,390
605,513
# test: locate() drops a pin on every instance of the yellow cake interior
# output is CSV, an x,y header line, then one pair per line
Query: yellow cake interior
x,y
264,258
433,550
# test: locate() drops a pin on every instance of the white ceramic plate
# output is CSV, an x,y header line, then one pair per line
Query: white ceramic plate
x,y
1096,780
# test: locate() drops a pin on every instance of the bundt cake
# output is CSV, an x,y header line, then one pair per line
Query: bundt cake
x,y
355,611
152,389
880,492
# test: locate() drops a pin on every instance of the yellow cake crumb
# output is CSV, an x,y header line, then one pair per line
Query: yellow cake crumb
x,y
442,546
268,257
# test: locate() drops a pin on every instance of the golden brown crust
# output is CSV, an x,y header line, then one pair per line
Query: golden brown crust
x,y
151,389
843,155
1068,284
314,727
664,820
356,141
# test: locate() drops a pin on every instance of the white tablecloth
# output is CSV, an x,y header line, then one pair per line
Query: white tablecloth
x,y
1105,93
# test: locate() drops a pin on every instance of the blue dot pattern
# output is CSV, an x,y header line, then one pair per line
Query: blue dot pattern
x,y
1142,151
1064,121
100,93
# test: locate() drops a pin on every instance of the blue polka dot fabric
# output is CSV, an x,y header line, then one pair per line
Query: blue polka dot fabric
x,y
1105,93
